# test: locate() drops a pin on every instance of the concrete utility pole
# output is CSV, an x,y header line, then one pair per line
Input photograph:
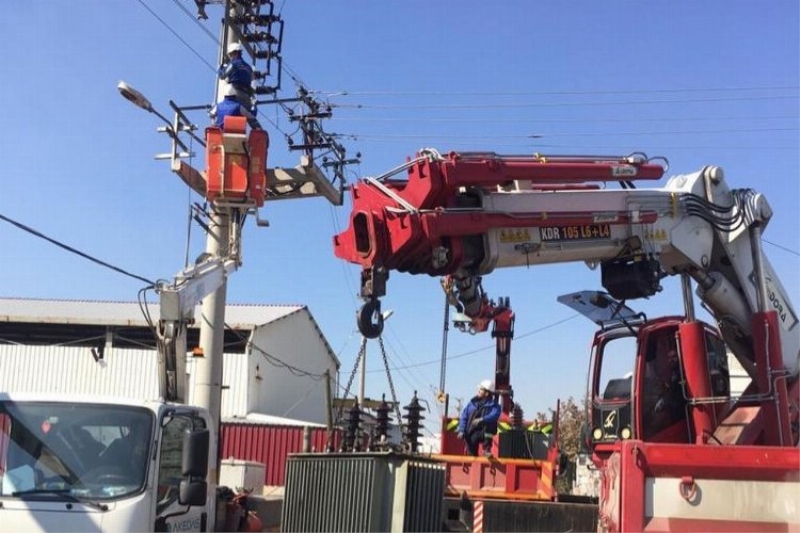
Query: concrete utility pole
x,y
208,368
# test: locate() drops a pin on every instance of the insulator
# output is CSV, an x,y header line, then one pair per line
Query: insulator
x,y
264,54
413,423
258,20
259,37
252,3
516,416
259,75
352,430
382,419
265,89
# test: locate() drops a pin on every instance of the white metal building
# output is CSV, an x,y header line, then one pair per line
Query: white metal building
x,y
275,355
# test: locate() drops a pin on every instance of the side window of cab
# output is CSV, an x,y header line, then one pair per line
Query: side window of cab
x,y
171,456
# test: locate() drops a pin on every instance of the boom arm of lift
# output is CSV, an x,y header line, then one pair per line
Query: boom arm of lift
x,y
475,311
469,213
177,303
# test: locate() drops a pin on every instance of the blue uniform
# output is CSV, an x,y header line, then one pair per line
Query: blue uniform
x,y
478,423
230,107
239,74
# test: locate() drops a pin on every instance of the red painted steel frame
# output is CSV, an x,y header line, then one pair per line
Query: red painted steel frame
x,y
384,232
640,461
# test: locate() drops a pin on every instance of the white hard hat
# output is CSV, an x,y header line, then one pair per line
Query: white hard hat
x,y
234,47
485,384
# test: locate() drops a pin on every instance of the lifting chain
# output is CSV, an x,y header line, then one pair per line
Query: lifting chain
x,y
361,353
391,385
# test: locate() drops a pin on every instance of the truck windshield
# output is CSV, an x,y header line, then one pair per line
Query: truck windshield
x,y
73,451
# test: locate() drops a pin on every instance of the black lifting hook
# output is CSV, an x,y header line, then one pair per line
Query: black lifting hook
x,y
370,319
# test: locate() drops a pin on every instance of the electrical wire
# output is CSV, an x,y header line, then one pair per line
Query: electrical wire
x,y
483,349
177,36
73,250
562,104
274,360
785,249
356,136
560,120
197,22
561,93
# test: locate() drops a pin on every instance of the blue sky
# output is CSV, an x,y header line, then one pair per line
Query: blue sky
x,y
713,82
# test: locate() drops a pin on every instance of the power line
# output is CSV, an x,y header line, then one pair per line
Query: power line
x,y
575,134
196,21
537,145
560,104
74,251
478,350
587,120
173,32
274,360
784,248
561,93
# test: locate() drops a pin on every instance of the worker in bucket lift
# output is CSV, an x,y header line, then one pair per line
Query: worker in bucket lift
x,y
239,75
229,106
478,421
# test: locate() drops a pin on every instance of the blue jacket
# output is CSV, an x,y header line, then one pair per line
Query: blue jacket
x,y
239,74
487,409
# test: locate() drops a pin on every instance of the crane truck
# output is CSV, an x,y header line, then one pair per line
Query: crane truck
x,y
677,451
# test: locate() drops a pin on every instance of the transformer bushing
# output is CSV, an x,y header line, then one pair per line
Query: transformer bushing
x,y
411,431
351,441
516,416
382,421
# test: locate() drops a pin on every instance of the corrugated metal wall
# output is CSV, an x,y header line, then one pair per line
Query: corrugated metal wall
x,y
123,372
72,370
268,444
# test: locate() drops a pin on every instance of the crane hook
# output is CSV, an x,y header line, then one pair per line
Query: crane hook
x,y
370,319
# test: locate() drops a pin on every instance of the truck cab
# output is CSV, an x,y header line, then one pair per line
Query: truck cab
x,y
104,464
637,378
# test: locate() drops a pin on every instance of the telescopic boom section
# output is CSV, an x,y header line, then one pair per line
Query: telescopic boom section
x,y
434,221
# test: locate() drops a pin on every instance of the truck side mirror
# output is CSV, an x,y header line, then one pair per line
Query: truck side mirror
x,y
192,493
195,454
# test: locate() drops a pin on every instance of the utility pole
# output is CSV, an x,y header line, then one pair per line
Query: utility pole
x,y
208,368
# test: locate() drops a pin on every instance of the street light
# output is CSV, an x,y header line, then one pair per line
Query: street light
x,y
140,100
134,96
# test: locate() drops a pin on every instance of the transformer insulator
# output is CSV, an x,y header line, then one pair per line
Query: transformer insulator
x,y
352,430
258,20
264,54
265,89
413,424
382,419
516,416
260,37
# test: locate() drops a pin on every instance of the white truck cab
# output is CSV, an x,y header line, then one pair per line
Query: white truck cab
x,y
104,464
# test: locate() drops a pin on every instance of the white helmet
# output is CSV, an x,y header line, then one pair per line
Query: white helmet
x,y
234,47
485,385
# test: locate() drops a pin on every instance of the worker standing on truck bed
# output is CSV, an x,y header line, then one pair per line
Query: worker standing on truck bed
x,y
478,421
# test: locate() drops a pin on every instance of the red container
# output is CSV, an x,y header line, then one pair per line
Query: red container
x,y
270,445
